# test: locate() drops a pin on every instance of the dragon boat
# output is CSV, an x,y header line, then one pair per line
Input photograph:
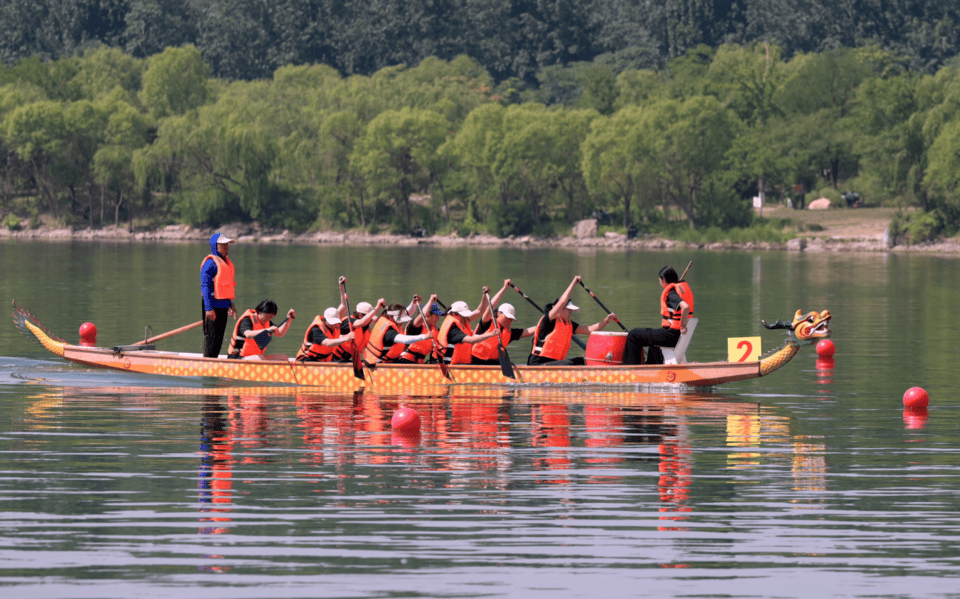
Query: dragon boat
x,y
336,377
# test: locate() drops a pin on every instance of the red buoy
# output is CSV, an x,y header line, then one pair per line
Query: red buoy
x,y
405,420
825,363
916,397
88,330
88,334
825,348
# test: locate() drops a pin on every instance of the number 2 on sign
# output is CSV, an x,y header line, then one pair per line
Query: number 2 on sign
x,y
743,349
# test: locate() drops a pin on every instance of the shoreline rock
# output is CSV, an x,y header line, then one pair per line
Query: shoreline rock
x,y
254,233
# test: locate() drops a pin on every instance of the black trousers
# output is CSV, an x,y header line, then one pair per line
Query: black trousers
x,y
637,339
533,360
213,332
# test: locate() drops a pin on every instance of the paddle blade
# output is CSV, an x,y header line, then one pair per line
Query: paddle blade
x,y
263,339
358,367
506,367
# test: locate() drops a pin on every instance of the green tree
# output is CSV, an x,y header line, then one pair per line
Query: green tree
x,y
175,81
397,154
687,142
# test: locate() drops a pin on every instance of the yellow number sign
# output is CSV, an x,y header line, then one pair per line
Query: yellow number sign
x,y
743,349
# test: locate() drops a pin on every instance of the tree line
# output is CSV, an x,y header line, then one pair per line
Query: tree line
x,y
103,136
511,39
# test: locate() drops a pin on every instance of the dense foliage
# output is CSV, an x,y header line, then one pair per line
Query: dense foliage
x,y
104,137
250,39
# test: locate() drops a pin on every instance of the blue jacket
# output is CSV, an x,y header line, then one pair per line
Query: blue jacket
x,y
207,272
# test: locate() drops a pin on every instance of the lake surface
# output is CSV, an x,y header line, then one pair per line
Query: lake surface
x,y
812,482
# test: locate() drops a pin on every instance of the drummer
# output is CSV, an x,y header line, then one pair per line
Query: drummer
x,y
553,333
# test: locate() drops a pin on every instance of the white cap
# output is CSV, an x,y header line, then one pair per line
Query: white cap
x,y
460,308
364,308
508,311
404,317
224,239
332,316
571,307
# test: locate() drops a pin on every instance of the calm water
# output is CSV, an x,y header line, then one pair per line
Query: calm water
x,y
812,482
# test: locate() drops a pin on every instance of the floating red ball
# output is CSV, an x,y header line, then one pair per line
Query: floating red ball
x,y
825,348
88,331
916,397
405,420
825,363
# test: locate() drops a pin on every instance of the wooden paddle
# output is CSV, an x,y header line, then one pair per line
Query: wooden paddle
x,y
506,367
357,365
685,270
607,310
436,353
263,338
539,309
169,333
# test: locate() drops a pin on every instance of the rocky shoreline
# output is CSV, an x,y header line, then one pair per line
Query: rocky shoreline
x,y
253,233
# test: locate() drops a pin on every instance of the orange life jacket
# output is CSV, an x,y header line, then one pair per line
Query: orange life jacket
x,y
240,344
557,342
224,285
487,349
418,352
461,351
671,318
374,353
318,352
345,351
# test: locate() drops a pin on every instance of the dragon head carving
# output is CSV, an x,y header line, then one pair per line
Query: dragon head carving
x,y
806,327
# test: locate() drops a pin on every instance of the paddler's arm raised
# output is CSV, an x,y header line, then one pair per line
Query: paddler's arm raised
x,y
494,302
342,308
283,328
369,316
480,309
562,302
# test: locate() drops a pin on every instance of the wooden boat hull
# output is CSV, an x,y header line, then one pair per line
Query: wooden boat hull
x,y
340,377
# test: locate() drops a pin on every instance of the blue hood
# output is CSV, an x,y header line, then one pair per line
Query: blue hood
x,y
213,244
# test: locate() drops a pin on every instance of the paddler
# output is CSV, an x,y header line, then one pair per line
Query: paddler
x,y
360,320
555,330
676,307
422,351
387,341
217,290
254,330
323,337
487,352
455,334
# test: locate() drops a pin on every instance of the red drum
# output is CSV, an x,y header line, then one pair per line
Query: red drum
x,y
605,349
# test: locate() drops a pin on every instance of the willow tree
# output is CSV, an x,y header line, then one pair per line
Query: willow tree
x,y
397,154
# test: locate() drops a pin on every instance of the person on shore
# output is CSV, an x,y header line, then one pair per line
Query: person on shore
x,y
552,335
387,340
421,352
676,307
217,291
254,330
487,352
322,338
455,336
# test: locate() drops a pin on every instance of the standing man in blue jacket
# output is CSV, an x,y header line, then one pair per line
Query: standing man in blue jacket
x,y
217,289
